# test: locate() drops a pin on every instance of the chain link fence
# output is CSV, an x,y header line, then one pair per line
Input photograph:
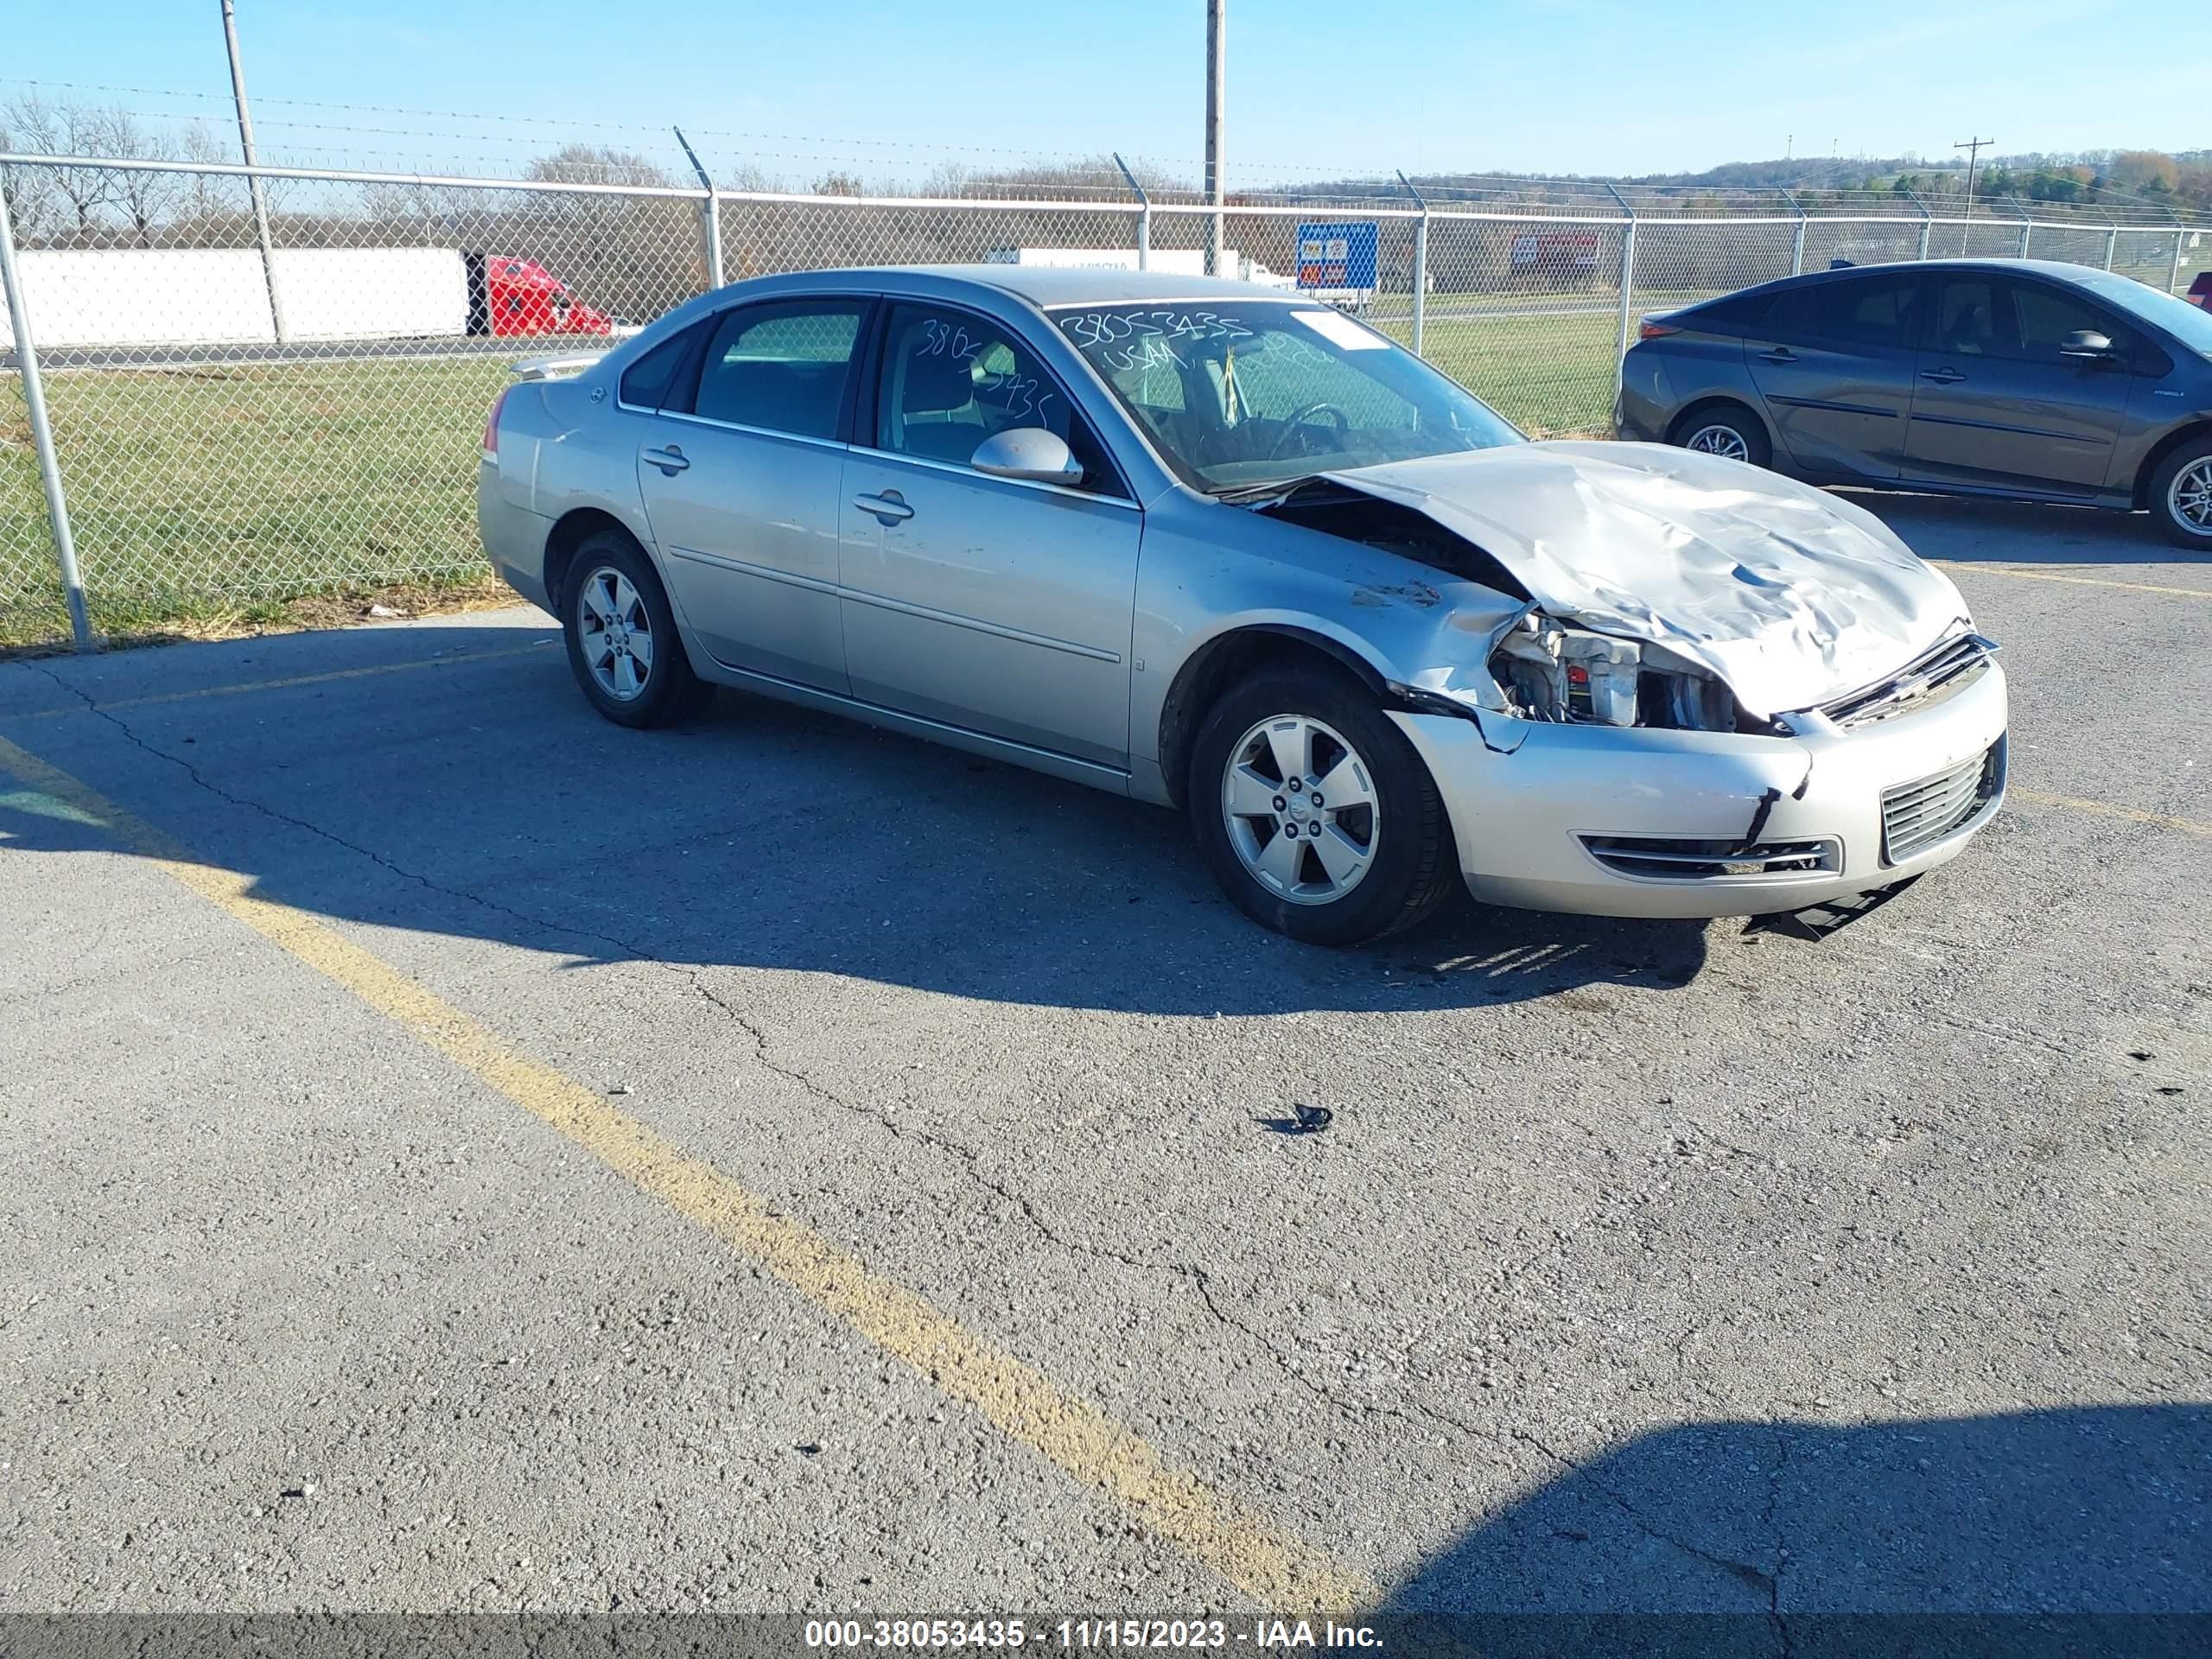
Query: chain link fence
x,y
239,424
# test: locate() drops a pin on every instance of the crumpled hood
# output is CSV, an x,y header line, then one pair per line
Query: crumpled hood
x,y
1788,593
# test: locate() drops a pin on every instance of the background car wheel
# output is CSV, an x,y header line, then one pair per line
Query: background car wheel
x,y
1723,428
2181,495
1314,811
622,639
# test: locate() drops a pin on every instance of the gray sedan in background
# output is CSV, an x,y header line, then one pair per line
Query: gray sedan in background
x,y
2012,378
1221,547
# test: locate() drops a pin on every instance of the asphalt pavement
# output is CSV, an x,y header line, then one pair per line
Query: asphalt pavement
x,y
468,1157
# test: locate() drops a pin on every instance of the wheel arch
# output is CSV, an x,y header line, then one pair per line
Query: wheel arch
x,y
1232,655
1681,424
569,533
2192,431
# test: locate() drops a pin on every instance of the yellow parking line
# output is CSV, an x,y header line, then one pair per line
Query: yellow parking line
x,y
2079,582
287,685
2106,809
1242,1546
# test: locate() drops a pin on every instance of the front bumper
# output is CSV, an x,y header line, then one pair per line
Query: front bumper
x,y
1526,800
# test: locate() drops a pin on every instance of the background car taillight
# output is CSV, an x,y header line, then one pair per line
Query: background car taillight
x,y
492,426
1650,330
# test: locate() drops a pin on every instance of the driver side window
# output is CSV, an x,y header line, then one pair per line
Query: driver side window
x,y
951,378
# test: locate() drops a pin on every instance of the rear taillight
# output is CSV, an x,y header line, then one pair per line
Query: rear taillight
x,y
492,426
1650,330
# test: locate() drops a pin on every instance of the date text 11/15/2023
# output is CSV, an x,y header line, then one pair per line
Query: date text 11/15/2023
x,y
1259,1636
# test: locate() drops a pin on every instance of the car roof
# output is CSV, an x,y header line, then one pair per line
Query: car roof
x,y
2064,270
1045,286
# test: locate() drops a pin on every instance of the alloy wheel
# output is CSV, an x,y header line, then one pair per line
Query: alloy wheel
x,y
2190,496
1719,439
616,630
1301,808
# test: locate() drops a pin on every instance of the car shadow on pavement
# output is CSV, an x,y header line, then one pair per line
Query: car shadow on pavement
x,y
2017,1533
1982,530
486,801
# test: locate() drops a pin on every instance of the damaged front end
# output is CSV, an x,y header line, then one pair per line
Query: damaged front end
x,y
1548,672
1536,667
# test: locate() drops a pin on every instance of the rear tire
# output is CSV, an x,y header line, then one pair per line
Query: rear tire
x,y
1359,849
1720,427
621,635
2181,495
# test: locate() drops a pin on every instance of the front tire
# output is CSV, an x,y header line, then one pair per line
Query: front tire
x,y
1723,428
1314,812
2181,495
621,635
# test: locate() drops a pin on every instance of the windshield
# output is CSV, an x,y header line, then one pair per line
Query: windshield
x,y
1235,395
2187,325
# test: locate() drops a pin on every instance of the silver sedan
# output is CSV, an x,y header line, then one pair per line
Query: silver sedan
x,y
1224,549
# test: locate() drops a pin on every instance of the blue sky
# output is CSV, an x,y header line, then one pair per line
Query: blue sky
x,y
1582,86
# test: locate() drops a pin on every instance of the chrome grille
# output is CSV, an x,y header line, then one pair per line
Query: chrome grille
x,y
1916,815
1951,667
1673,859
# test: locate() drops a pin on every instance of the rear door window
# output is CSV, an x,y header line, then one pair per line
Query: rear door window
x,y
783,366
1856,311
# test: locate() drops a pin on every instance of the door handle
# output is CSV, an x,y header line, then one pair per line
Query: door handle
x,y
1779,355
889,508
1944,377
670,461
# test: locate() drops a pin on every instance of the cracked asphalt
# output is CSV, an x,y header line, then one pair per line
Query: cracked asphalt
x,y
1644,1267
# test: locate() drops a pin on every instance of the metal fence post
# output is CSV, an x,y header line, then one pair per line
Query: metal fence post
x,y
2173,276
2111,239
49,469
711,213
1144,214
253,184
2027,227
1628,266
1797,247
1927,220
1420,258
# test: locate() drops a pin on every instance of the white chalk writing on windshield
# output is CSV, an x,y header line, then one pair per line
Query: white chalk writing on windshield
x,y
1121,341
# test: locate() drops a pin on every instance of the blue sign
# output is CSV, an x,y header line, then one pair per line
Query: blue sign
x,y
1337,254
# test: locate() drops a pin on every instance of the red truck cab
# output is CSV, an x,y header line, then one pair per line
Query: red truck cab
x,y
512,295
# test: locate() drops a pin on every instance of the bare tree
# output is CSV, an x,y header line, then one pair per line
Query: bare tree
x,y
634,256
146,197
213,205
39,128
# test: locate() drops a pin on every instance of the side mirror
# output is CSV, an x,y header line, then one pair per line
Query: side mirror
x,y
1029,453
2085,346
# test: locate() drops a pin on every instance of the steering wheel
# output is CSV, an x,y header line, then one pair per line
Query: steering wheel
x,y
1298,419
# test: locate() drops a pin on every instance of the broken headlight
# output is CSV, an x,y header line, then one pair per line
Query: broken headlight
x,y
1552,673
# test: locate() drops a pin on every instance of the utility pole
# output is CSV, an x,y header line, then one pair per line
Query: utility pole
x,y
1217,82
253,180
1973,148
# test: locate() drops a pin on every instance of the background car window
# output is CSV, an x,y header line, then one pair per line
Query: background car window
x,y
781,366
1974,318
2049,314
1856,311
1732,314
952,379
645,383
